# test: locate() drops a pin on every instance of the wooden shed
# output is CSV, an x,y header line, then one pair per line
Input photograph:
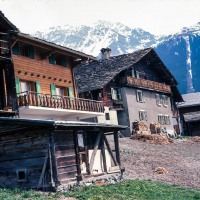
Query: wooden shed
x,y
47,154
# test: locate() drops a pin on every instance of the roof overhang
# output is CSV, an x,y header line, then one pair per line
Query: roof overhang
x,y
191,117
52,46
14,125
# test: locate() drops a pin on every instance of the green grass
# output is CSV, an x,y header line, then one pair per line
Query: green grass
x,y
135,189
127,190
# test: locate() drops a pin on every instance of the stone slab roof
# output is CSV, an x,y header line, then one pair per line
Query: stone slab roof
x,y
191,99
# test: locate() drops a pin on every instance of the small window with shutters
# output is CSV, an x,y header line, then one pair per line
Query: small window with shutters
x,y
23,50
58,60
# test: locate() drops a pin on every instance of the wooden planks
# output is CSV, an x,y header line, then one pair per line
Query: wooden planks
x,y
40,70
65,155
23,151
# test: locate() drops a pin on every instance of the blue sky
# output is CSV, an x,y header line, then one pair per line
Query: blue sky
x,y
156,16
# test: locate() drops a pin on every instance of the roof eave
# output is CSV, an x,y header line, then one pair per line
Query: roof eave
x,y
34,39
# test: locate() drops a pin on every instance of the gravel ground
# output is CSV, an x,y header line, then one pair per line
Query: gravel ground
x,y
181,159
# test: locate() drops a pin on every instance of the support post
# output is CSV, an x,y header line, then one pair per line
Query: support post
x,y
53,159
79,177
110,151
2,89
103,154
95,151
116,140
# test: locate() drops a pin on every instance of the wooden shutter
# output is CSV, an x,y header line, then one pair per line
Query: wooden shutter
x,y
70,91
133,72
15,49
17,85
137,74
53,90
119,94
52,59
38,88
31,52
64,61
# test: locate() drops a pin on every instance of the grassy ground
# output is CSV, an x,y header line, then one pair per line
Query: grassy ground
x,y
131,189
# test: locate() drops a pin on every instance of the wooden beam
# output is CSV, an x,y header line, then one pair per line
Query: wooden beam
x,y
110,151
79,177
53,159
2,90
103,154
43,170
95,151
116,140
86,152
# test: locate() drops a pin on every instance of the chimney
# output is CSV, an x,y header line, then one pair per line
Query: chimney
x,y
105,53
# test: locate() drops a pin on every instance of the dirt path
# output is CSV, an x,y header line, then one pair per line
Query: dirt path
x,y
181,159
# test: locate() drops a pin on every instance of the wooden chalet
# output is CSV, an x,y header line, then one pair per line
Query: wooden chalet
x,y
138,86
37,80
50,155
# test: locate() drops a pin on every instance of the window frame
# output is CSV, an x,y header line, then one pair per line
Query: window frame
x,y
158,99
138,96
165,100
117,93
143,115
107,116
164,119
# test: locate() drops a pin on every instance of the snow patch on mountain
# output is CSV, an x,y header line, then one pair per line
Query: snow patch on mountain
x,y
190,88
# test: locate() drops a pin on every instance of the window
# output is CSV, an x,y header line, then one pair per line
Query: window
x,y
107,116
165,100
27,86
167,119
58,60
164,119
161,100
158,99
161,119
60,91
139,96
21,175
143,115
116,94
23,50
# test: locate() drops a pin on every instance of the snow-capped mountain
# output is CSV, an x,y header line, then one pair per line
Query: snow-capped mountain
x,y
180,52
90,39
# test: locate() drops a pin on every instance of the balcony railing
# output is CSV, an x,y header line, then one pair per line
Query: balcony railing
x,y
137,82
58,102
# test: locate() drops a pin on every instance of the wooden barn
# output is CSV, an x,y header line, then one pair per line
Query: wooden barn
x,y
48,154
189,114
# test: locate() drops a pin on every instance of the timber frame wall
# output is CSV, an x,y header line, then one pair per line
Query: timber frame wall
x,y
44,158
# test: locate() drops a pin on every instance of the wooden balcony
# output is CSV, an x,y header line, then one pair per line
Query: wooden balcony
x,y
147,84
59,102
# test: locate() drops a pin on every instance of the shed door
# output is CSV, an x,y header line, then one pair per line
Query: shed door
x,y
65,156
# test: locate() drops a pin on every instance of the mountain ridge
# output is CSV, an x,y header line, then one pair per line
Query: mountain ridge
x,y
180,51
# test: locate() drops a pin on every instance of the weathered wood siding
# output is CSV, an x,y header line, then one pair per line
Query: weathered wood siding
x,y
23,150
41,70
65,156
